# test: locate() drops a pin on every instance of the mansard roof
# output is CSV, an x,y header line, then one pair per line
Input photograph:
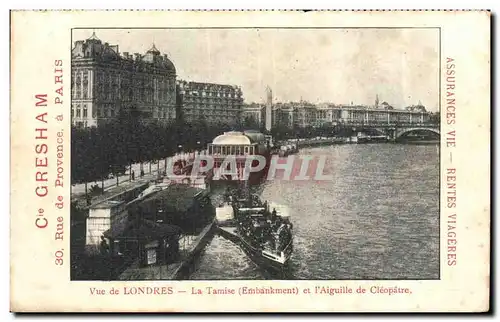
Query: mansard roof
x,y
93,47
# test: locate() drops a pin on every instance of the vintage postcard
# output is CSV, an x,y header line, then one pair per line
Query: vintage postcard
x,y
253,161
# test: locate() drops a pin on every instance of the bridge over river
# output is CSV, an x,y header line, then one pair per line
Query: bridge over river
x,y
396,131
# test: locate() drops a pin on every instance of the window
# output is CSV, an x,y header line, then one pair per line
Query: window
x,y
116,248
72,112
151,256
85,110
78,111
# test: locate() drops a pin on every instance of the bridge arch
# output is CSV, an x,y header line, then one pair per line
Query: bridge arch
x,y
373,130
379,131
423,129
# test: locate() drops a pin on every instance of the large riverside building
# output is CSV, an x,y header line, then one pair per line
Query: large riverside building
x,y
211,103
304,114
105,83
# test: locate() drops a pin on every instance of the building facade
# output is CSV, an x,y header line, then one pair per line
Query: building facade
x,y
105,84
253,113
211,103
371,116
303,114
284,115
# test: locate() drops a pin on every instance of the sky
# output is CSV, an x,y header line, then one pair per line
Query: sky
x,y
317,65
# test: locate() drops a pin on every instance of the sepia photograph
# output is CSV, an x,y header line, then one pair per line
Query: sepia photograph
x,y
255,154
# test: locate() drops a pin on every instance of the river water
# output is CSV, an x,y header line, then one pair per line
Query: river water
x,y
378,218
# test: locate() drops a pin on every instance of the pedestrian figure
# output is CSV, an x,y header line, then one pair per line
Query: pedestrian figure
x,y
133,175
104,247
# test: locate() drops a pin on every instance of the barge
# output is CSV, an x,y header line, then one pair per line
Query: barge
x,y
264,234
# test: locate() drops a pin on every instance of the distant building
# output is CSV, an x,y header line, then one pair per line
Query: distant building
x,y
253,113
105,83
419,107
361,115
212,103
386,106
284,115
303,114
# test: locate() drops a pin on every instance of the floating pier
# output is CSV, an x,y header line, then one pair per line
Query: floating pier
x,y
178,270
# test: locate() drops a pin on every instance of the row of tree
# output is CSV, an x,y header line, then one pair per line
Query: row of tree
x,y
108,149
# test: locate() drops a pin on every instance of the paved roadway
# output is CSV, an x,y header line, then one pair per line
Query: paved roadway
x,y
78,190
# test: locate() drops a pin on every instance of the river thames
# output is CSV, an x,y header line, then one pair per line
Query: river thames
x,y
377,219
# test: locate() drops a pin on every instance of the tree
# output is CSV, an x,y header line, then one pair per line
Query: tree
x,y
435,118
102,154
115,144
87,161
249,123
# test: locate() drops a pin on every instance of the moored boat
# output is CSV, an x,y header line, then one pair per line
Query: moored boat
x,y
265,234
